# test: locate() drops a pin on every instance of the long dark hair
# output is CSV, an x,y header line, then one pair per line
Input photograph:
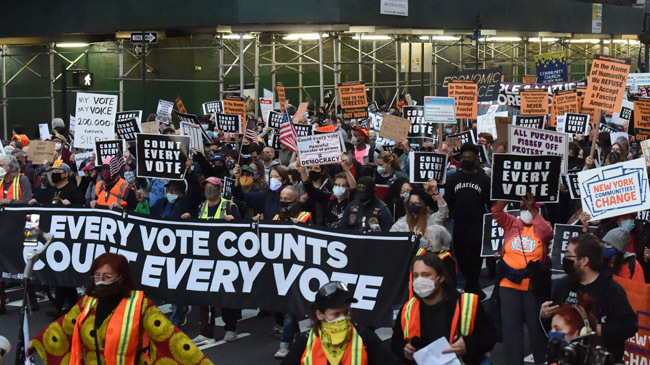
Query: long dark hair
x,y
118,263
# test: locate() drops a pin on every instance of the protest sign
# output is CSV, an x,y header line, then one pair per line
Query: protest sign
x,y
501,126
212,107
373,107
266,107
455,141
563,102
236,105
193,119
637,347
594,113
642,114
108,148
127,129
273,266
530,121
487,123
162,156
164,111
44,131
195,132
534,102
282,98
228,186
95,119
228,123
439,109
514,176
275,119
529,79
645,147
551,67
492,240
615,189
319,149
465,94
394,128
81,160
353,99
575,123
73,124
425,166
129,114
40,151
419,128
509,94
488,81
150,127
561,235
538,142
300,113
180,105
274,140
303,130
607,80
483,157
622,117
571,183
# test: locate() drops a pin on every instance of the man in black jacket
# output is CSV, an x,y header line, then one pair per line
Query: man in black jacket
x,y
583,262
366,213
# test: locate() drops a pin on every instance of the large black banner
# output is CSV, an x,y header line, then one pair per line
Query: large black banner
x,y
162,156
273,266
514,176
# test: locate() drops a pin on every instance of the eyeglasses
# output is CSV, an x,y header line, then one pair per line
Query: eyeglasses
x,y
97,277
331,288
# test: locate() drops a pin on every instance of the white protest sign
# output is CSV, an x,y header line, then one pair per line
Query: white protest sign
x,y
44,131
319,149
2,149
535,142
95,119
615,189
164,110
73,124
196,135
266,107
439,109
80,158
486,123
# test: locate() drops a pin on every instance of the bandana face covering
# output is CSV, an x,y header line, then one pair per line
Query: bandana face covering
x,y
335,336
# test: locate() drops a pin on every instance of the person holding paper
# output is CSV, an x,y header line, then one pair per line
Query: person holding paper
x,y
439,310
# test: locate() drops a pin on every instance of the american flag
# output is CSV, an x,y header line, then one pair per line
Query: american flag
x,y
251,132
116,165
288,133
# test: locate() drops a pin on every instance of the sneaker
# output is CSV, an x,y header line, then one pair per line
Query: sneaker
x,y
230,336
184,321
281,353
202,340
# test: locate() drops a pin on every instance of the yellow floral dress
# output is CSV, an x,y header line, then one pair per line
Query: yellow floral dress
x,y
167,344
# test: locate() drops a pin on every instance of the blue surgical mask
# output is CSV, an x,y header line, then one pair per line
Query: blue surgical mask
x,y
628,224
348,159
171,197
609,252
559,335
275,184
129,176
205,127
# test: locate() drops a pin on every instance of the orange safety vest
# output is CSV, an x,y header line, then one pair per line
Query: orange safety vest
x,y
441,255
14,192
122,340
303,217
355,353
116,195
465,313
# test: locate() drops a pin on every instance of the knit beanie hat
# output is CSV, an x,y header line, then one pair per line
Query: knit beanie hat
x,y
618,237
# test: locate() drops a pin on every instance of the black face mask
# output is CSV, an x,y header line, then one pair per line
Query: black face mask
x,y
56,177
414,209
285,207
567,264
230,164
468,164
244,149
314,175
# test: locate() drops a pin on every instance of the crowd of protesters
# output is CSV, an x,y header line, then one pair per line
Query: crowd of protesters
x,y
368,191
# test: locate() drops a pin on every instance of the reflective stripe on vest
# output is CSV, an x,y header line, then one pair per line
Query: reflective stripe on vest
x,y
303,217
411,319
465,313
14,192
217,215
115,195
76,357
444,255
355,353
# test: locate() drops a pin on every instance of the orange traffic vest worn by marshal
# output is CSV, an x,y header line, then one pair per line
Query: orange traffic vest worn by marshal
x,y
116,195
303,217
122,334
14,192
441,255
355,353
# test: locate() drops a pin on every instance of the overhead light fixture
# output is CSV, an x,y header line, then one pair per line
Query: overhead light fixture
x,y
549,40
71,44
370,37
592,40
625,41
503,39
237,36
439,38
303,36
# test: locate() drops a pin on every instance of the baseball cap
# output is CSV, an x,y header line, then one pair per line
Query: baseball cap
x,y
248,169
59,164
332,295
212,180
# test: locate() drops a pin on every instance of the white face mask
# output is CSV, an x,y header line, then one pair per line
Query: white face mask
x,y
526,216
275,184
424,287
338,191
381,169
3,172
339,318
405,195
57,146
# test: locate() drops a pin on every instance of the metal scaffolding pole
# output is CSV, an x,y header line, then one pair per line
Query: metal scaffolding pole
x,y
221,76
120,71
257,74
374,71
241,65
360,59
51,79
434,69
4,90
335,52
273,76
300,85
398,67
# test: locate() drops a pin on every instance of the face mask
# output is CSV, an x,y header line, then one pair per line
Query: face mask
x,y
448,131
246,181
559,335
567,264
230,164
348,159
106,175
267,157
628,224
338,191
129,176
424,287
373,140
405,195
424,243
244,149
526,216
285,207
3,172
57,146
314,175
204,126
335,336
609,252
468,165
381,169
171,198
56,177
105,289
414,209
275,184
614,157
211,193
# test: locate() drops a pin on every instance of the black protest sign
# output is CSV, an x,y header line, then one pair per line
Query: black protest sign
x,y
575,123
571,183
274,140
194,132
489,82
193,119
483,157
561,235
274,266
455,141
108,148
127,129
275,119
425,166
514,176
303,130
228,123
228,186
530,121
212,107
373,107
129,114
419,128
162,156
493,235
607,129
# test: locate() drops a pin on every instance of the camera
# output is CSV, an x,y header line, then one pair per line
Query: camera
x,y
578,351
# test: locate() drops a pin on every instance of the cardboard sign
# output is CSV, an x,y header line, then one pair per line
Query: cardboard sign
x,y
571,183
534,102
615,189
44,131
150,127
195,132
563,102
319,149
129,114
622,117
353,99
164,110
275,120
594,113
228,123
501,125
162,156
424,166
575,123
235,105
212,107
514,176
530,121
439,109
487,123
300,113
492,238
228,187
282,98
529,79
127,129
551,67
180,105
509,95
488,82
465,94
40,151
538,142
394,128
266,107
108,148
607,81
642,114
455,141
95,119
561,235
303,130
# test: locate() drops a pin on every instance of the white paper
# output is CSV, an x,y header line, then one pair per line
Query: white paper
x,y
560,122
164,110
2,149
486,123
44,131
266,107
79,158
73,123
267,94
432,354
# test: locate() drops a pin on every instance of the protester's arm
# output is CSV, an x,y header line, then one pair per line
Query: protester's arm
x,y
206,168
234,211
131,200
321,197
352,182
503,218
621,320
542,228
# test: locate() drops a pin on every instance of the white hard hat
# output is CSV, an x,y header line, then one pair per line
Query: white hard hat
x,y
5,346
